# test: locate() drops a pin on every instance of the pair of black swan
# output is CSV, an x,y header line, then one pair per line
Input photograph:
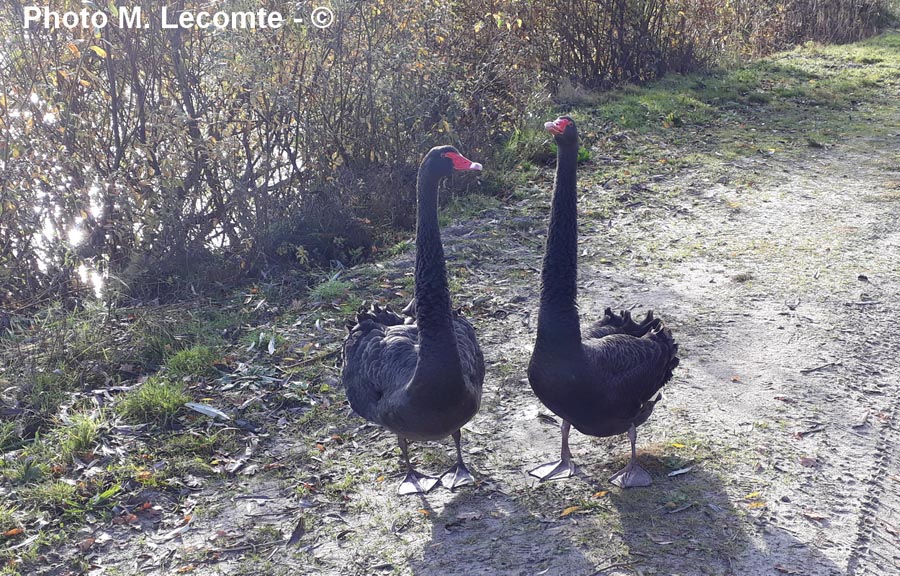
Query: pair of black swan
x,y
421,377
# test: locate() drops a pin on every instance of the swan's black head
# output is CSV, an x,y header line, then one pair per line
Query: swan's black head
x,y
563,130
444,160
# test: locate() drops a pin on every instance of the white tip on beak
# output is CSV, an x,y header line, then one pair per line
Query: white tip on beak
x,y
475,166
549,125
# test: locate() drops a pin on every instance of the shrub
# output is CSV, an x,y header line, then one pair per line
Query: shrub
x,y
150,160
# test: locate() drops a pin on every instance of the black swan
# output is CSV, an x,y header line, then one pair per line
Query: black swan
x,y
421,380
608,380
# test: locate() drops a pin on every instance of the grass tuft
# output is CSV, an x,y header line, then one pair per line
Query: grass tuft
x,y
7,518
79,436
196,361
330,290
156,401
57,495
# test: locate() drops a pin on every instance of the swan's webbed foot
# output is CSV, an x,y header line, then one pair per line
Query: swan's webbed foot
x,y
562,468
554,470
417,483
631,476
457,476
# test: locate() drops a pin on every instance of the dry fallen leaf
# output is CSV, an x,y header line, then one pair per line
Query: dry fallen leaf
x,y
659,540
298,532
677,445
569,510
13,532
680,471
424,512
600,494
86,544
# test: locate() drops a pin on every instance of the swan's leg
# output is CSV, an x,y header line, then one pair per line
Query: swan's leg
x,y
414,482
459,474
562,468
632,475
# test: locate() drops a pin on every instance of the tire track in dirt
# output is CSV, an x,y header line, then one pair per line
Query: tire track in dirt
x,y
877,548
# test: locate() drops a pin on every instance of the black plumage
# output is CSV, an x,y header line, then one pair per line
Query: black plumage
x,y
420,376
603,382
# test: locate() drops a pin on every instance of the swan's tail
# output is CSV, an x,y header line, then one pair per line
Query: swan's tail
x,y
376,314
663,337
622,323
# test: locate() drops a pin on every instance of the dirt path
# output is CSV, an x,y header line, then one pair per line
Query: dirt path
x,y
781,294
779,274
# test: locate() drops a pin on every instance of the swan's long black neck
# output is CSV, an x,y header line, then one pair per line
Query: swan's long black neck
x,y
558,317
434,316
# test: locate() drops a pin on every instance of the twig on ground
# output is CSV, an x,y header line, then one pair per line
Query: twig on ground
x,y
314,359
598,571
822,367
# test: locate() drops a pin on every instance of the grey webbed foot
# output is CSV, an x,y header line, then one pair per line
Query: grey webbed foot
x,y
562,468
631,476
457,476
554,470
416,483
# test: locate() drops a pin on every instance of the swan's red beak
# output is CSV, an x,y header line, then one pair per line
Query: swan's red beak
x,y
460,162
557,127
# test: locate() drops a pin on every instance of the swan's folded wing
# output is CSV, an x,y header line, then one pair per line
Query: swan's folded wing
x,y
632,369
377,360
470,354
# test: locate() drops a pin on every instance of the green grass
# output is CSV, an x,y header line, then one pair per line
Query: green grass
x,y
401,247
55,495
7,518
197,361
833,78
79,436
156,401
27,469
528,144
10,435
330,290
45,393
466,207
198,444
